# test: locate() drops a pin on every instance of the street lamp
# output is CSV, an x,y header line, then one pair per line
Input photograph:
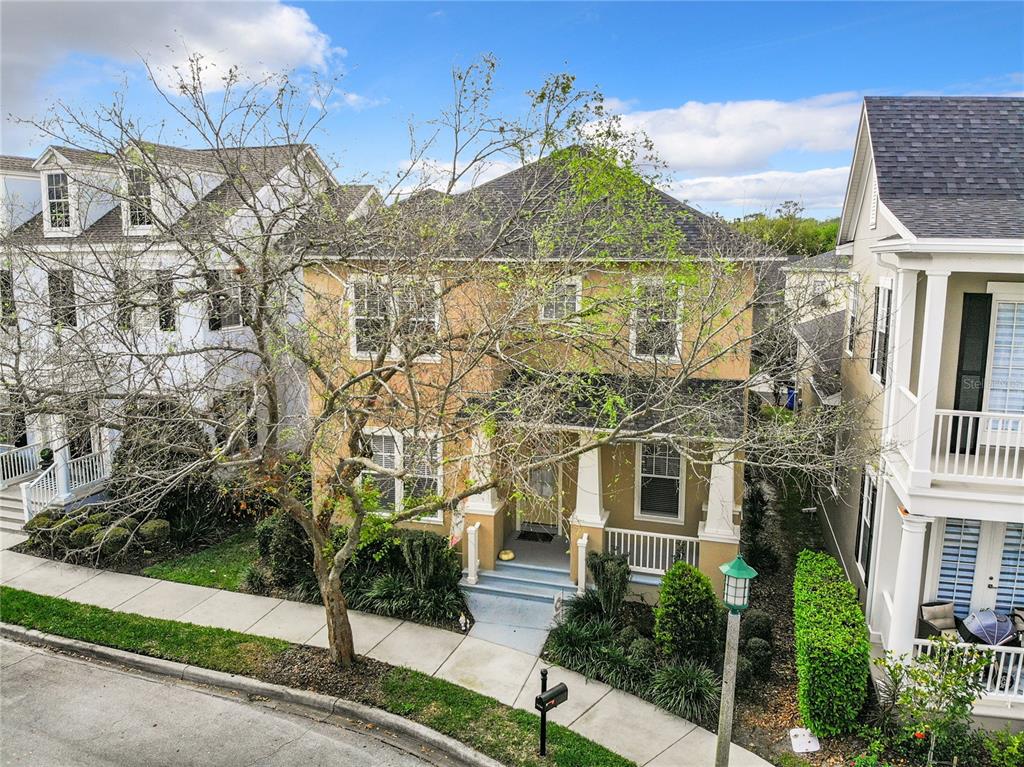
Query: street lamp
x,y
738,576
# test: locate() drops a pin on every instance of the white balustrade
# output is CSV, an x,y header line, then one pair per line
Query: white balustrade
x,y
1002,678
978,446
904,413
63,479
473,555
16,463
40,492
651,552
85,471
581,563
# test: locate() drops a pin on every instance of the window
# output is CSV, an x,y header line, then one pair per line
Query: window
x,y
655,331
422,459
562,301
235,421
852,306
8,310
1010,591
959,558
58,198
149,297
544,482
140,200
1006,382
61,283
402,319
880,332
866,522
385,454
226,299
370,317
416,313
660,481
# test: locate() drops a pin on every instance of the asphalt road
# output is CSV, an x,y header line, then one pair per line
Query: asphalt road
x,y
59,711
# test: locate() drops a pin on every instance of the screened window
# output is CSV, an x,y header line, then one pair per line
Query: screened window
x,y
416,310
660,480
370,317
385,453
61,283
853,306
140,200
422,460
8,309
396,318
58,200
1006,386
562,301
958,563
866,523
880,332
656,321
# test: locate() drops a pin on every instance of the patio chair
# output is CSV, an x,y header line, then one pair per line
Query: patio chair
x,y
937,618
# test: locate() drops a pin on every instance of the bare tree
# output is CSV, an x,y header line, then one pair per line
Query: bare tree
x,y
520,293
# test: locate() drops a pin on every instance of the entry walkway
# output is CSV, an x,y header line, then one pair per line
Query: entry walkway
x,y
621,722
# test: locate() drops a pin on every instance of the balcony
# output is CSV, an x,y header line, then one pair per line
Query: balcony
x,y
1002,679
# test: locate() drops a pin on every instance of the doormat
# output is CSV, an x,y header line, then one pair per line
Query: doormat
x,y
533,535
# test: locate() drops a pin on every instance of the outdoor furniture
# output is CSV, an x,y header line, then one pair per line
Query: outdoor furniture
x,y
989,627
937,618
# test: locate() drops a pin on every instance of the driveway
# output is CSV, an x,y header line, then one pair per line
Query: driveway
x,y
59,710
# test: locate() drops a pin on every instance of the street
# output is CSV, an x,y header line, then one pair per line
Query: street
x,y
60,711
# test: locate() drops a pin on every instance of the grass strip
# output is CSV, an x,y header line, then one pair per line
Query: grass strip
x,y
221,566
213,648
506,734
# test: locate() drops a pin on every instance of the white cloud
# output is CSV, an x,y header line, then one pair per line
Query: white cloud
x,y
260,37
820,189
743,136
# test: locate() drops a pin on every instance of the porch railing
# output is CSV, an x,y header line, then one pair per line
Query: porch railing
x,y
40,492
1003,678
84,471
16,463
62,479
983,446
651,553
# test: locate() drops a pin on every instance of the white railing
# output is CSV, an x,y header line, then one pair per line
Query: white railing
x,y
581,563
1002,678
85,471
651,552
61,480
903,417
981,446
40,492
17,463
473,554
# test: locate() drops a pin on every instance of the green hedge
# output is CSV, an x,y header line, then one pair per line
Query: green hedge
x,y
832,647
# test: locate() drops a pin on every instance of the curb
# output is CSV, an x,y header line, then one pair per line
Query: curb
x,y
243,684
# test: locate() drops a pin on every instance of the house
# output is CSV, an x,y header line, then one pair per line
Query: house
x,y
118,278
933,228
638,494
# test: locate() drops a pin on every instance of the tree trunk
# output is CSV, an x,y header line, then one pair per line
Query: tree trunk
x,y
339,630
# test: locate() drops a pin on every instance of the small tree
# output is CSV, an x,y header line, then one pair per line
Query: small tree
x,y
688,615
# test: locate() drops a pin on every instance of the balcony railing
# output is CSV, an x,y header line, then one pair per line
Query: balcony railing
x,y
651,553
1002,678
16,463
978,446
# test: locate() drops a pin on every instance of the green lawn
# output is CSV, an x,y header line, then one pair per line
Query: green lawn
x,y
503,733
221,566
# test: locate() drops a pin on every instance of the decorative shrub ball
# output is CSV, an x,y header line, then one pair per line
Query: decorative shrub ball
x,y
756,623
38,522
102,518
82,537
759,652
687,618
112,540
128,523
155,531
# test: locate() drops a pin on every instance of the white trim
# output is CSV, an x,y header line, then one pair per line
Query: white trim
x,y
577,283
997,246
668,359
638,475
48,229
871,474
348,305
884,284
853,292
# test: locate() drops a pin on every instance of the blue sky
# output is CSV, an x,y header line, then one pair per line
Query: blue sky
x,y
750,103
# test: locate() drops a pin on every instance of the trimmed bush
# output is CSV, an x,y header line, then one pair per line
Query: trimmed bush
x,y
101,518
82,537
756,623
155,531
759,653
610,573
127,523
688,615
832,647
112,541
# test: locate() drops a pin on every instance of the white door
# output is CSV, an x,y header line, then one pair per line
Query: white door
x,y
1005,378
980,565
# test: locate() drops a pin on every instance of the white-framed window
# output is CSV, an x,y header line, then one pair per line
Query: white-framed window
x,y
144,299
1005,381
385,454
420,456
655,331
880,330
8,307
852,309
562,300
543,482
140,198
227,295
63,309
403,317
659,482
58,200
866,521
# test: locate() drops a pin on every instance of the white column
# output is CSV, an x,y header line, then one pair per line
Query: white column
x,y
473,554
719,523
903,332
907,587
581,563
589,506
61,457
928,377
485,502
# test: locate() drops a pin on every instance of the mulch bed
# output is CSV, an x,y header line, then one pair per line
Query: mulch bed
x,y
310,668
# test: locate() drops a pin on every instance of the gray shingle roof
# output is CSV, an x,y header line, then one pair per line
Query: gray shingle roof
x,y
825,338
823,262
950,166
10,162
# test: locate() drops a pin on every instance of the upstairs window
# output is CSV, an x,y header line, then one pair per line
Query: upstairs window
x,y
227,296
880,332
370,317
661,481
8,309
852,307
562,301
58,199
417,320
140,200
656,321
400,319
866,523
61,284
147,298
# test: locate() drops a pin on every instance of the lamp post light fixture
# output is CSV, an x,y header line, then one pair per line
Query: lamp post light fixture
x,y
738,577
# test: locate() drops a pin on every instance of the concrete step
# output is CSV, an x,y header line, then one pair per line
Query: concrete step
x,y
515,579
521,593
11,527
544,572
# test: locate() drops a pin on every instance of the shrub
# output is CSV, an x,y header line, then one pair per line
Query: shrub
x,y
1005,749
38,522
82,537
255,581
264,534
615,666
762,556
155,531
689,689
611,581
759,653
756,623
584,607
112,540
291,559
101,518
574,644
687,618
645,651
832,649
128,523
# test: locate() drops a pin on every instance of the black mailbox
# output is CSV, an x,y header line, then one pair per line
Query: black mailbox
x,y
556,696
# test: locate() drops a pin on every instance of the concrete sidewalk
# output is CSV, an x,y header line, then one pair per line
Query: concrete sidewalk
x,y
621,722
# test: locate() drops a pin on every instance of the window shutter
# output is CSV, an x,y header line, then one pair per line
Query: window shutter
x,y
874,334
213,286
1010,592
957,565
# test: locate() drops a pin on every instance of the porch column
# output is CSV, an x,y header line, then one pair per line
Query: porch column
x,y
61,472
590,517
484,507
907,586
718,534
904,301
928,377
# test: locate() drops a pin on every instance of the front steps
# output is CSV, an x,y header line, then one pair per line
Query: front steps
x,y
12,513
531,583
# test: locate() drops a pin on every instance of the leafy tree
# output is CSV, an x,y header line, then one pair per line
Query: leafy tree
x,y
791,232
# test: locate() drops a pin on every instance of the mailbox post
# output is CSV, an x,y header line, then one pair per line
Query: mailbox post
x,y
547,700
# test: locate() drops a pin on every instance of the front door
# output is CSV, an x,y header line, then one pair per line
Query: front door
x,y
980,565
541,505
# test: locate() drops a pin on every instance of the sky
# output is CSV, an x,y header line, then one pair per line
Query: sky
x,y
749,104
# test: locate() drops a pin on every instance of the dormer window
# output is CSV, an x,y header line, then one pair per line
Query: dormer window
x,y
140,200
58,198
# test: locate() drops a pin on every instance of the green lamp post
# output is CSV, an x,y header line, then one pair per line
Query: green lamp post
x,y
738,577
